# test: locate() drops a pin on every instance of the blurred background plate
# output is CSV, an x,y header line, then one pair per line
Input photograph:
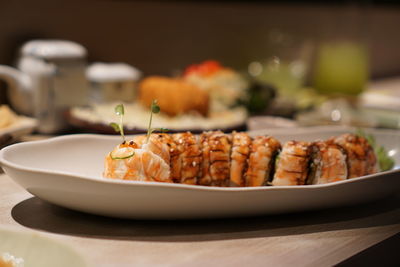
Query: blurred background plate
x,y
37,250
96,119
267,122
21,126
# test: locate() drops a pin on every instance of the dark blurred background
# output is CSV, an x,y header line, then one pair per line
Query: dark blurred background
x,y
160,37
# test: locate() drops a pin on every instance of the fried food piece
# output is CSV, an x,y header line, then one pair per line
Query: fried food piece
x,y
361,159
174,96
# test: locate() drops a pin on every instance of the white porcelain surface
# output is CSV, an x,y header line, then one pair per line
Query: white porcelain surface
x,y
67,171
112,72
37,250
53,49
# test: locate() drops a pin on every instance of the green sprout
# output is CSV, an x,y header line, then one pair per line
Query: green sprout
x,y
385,161
119,127
155,108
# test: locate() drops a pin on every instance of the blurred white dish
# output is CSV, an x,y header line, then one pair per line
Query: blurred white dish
x,y
268,122
67,171
97,118
37,250
21,126
382,94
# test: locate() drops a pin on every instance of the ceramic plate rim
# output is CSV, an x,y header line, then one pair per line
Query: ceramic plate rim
x,y
10,164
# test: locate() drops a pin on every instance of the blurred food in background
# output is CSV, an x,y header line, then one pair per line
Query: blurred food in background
x,y
207,96
174,95
229,88
12,126
259,97
308,63
287,69
7,116
225,86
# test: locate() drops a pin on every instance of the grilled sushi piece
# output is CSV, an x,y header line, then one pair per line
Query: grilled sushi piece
x,y
328,163
216,149
291,166
241,143
361,159
187,163
128,161
261,160
205,177
174,160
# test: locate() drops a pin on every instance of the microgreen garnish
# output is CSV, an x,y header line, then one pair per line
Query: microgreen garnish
x,y
153,109
119,127
385,161
125,157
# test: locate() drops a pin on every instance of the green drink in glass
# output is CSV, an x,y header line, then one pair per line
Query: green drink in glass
x,y
341,68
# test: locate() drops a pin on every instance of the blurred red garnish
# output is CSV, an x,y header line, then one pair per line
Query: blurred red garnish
x,y
205,68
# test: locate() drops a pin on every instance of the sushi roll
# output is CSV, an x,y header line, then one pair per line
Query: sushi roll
x,y
241,143
261,160
291,166
217,159
173,160
186,166
128,161
361,158
328,163
205,177
216,149
156,144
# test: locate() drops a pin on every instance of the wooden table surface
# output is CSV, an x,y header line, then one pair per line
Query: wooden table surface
x,y
318,238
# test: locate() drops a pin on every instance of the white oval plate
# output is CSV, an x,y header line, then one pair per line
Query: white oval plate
x,y
37,250
67,171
